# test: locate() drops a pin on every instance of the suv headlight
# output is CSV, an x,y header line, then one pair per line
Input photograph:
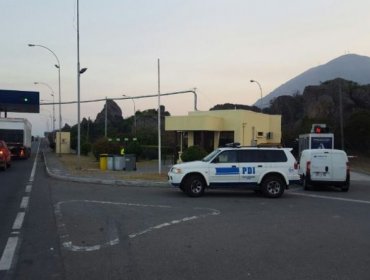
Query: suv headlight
x,y
176,170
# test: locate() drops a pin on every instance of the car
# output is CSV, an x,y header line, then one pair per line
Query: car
x,y
323,167
269,170
5,156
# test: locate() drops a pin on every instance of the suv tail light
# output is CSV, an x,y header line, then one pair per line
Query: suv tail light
x,y
296,166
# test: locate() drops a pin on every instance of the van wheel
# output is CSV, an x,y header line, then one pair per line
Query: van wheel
x,y
345,187
305,184
194,185
273,186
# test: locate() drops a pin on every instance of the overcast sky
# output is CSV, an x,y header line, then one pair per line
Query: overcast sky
x,y
216,46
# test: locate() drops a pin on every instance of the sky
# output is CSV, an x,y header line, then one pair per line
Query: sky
x,y
215,46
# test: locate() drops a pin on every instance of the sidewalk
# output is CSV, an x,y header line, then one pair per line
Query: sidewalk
x,y
142,177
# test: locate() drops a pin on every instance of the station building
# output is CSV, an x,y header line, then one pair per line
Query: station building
x,y
212,129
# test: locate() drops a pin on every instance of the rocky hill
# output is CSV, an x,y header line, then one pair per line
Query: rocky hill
x,y
351,67
333,102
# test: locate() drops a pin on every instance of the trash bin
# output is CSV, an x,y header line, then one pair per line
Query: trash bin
x,y
110,162
119,162
130,160
103,161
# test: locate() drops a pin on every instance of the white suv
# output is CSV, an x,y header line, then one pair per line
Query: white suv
x,y
269,170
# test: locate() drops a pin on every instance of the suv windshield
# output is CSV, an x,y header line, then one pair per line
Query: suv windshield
x,y
211,155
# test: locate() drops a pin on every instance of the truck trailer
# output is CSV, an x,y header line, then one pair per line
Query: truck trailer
x,y
16,132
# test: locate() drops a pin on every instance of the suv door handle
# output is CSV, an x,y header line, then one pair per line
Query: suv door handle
x,y
259,165
233,166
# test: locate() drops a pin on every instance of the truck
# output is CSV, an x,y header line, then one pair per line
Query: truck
x,y
319,138
16,132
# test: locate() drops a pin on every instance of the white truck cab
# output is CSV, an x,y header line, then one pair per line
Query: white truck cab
x,y
324,167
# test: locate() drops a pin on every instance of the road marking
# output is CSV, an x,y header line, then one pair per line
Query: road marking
x,y
8,254
24,202
332,198
28,188
18,221
114,240
213,212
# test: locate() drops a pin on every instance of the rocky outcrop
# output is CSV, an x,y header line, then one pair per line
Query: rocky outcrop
x,y
114,113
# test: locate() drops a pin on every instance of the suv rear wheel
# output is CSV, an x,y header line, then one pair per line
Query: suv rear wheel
x,y
273,186
194,185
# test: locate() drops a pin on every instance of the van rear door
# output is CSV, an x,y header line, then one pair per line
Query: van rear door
x,y
321,167
339,163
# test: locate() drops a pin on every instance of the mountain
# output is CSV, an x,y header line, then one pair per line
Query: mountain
x,y
350,67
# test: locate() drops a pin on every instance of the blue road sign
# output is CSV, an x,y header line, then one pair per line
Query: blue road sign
x,y
19,101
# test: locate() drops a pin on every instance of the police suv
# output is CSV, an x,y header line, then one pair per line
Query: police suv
x,y
269,170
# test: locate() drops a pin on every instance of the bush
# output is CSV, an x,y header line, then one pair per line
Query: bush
x,y
134,148
85,148
193,153
103,146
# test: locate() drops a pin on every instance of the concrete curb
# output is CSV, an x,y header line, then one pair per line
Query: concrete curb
x,y
136,183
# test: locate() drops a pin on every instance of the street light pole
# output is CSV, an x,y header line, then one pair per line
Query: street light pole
x,y
59,89
52,94
133,101
259,85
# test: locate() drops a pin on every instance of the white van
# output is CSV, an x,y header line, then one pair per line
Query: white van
x,y
324,167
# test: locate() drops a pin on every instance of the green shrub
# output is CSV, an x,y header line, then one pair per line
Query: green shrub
x,y
85,148
103,146
193,153
134,148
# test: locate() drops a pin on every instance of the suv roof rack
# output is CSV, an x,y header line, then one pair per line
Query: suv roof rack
x,y
232,145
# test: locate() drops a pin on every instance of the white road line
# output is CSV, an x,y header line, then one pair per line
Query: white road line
x,y
35,164
24,202
28,188
18,221
8,254
11,246
67,243
332,198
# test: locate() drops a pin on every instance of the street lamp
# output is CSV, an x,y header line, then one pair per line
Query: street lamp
x,y
59,90
133,101
254,81
52,94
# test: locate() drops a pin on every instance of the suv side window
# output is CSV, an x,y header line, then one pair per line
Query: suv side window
x,y
262,156
226,157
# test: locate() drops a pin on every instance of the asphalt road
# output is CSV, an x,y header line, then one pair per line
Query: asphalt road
x,y
82,231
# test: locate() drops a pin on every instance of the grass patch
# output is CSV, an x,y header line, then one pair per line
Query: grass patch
x,y
91,167
360,164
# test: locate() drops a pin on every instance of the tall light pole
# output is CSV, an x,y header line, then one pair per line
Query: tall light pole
x,y
52,94
133,101
59,90
79,72
259,85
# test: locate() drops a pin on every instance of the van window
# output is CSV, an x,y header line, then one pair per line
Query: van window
x,y
262,156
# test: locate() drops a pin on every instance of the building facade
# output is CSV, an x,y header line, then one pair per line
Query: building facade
x,y
212,129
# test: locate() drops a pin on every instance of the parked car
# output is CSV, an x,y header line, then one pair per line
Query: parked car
x,y
318,167
5,156
269,170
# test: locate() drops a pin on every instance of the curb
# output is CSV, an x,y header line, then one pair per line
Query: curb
x,y
135,183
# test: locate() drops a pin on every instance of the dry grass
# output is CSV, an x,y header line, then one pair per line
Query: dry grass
x,y
360,163
90,167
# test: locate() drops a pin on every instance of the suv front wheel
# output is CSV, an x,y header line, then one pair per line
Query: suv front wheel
x,y
273,186
194,185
